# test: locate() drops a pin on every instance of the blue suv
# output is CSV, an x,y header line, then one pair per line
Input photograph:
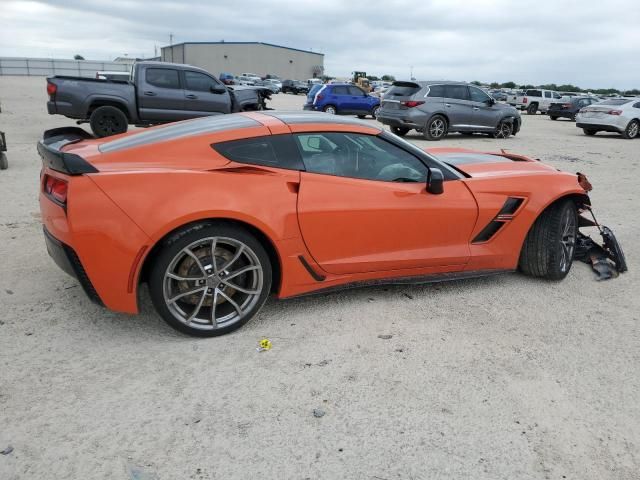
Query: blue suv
x,y
343,99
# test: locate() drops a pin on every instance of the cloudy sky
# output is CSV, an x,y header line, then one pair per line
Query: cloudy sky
x,y
587,43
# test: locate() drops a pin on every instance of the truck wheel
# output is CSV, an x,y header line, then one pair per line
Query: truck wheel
x,y
106,121
399,131
4,163
550,245
532,109
436,128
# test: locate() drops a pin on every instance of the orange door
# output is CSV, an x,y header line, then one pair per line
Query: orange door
x,y
353,225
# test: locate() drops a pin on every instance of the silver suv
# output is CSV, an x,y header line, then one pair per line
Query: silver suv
x,y
437,108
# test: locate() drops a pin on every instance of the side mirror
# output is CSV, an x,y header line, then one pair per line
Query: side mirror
x,y
435,181
491,101
217,89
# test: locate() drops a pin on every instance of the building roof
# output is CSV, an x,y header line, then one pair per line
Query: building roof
x,y
244,43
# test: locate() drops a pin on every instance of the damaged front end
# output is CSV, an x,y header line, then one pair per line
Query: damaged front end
x,y
606,258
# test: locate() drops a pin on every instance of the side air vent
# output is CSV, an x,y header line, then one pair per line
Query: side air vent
x,y
489,231
510,206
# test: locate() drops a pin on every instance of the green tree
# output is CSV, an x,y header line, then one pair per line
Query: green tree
x,y
77,56
508,85
388,78
476,82
372,78
494,85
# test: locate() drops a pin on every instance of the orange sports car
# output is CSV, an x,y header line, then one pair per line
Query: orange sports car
x,y
217,213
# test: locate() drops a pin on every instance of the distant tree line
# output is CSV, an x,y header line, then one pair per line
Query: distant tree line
x,y
562,88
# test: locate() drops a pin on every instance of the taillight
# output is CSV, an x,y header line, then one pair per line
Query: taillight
x,y
412,103
524,100
319,96
55,188
566,105
51,89
614,112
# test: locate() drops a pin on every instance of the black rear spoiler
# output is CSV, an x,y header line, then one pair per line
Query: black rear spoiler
x,y
51,144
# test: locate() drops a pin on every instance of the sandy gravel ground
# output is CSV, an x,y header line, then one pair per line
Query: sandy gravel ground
x,y
498,378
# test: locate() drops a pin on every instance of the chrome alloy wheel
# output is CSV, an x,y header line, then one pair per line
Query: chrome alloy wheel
x,y
213,283
437,128
632,129
567,240
504,130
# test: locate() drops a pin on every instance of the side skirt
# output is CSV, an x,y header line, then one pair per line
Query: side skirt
x,y
412,280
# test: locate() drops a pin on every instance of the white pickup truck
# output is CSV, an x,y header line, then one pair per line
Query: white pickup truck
x,y
536,99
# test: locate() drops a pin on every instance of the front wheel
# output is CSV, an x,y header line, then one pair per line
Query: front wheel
x,y
210,280
588,131
107,120
550,245
436,128
504,130
632,130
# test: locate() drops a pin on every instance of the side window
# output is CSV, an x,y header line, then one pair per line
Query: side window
x,y
340,90
436,91
556,95
355,91
548,95
198,81
478,95
584,102
636,105
277,151
459,92
162,77
360,156
534,93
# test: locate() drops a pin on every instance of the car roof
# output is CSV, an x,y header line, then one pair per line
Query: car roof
x,y
301,117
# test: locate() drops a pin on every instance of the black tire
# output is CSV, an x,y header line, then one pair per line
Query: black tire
x,y
4,163
172,257
399,131
467,134
549,247
504,130
632,130
436,128
362,117
374,111
553,117
330,109
532,109
573,117
588,131
106,121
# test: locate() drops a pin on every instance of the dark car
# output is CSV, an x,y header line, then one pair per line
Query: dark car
x,y
227,78
440,107
569,107
499,95
295,87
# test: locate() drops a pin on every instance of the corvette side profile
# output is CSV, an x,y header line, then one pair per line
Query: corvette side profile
x,y
218,213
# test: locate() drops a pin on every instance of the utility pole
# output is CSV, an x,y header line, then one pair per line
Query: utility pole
x,y
170,44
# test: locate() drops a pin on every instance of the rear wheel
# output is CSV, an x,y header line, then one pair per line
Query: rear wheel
x,y
532,109
210,279
552,117
330,109
4,163
399,131
108,120
588,131
436,128
550,245
362,116
632,129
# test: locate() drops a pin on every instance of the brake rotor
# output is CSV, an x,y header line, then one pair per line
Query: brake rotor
x,y
189,268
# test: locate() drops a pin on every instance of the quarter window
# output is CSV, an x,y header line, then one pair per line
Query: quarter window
x,y
355,91
459,92
354,155
162,77
340,90
277,151
436,91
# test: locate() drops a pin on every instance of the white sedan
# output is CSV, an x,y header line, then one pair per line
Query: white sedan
x,y
619,115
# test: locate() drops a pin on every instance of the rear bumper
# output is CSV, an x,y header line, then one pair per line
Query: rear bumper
x,y
599,126
308,106
402,122
67,259
561,113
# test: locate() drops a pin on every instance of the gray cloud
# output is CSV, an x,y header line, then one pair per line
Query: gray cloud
x,y
563,41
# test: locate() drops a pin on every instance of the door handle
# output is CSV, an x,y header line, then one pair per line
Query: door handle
x,y
447,104
150,94
476,108
191,96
